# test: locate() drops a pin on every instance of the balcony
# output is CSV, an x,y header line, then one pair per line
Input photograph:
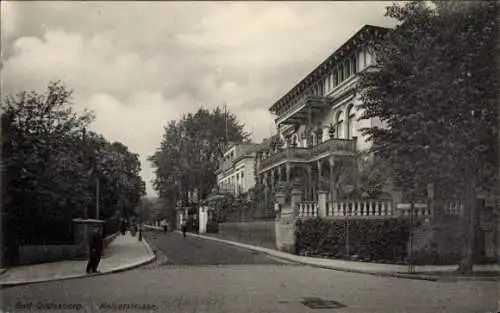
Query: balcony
x,y
298,113
331,146
306,155
287,154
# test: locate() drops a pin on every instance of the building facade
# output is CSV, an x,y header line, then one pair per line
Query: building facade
x,y
317,121
236,171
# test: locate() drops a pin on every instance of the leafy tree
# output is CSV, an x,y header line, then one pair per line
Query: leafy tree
x,y
48,178
190,151
435,87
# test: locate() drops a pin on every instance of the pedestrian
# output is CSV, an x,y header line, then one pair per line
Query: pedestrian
x,y
95,251
184,227
123,227
164,225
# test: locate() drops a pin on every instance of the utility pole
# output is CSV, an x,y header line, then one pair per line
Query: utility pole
x,y
86,153
97,197
225,120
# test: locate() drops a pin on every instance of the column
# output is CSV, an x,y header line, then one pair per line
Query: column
x,y
272,179
319,176
333,195
295,198
288,172
322,195
266,192
309,128
309,194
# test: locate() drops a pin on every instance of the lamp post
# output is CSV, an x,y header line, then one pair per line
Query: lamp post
x,y
85,152
140,221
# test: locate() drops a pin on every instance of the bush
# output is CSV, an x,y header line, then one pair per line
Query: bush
x,y
369,240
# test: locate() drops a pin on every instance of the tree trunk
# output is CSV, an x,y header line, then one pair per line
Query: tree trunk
x,y
467,261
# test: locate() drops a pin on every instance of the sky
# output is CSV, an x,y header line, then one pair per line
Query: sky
x,y
139,65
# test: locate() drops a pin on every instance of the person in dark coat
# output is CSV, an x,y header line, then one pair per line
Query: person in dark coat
x,y
95,247
123,227
184,227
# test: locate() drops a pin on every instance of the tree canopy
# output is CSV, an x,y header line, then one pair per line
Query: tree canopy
x,y
190,151
50,164
435,87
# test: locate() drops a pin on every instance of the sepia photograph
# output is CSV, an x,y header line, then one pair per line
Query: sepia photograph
x,y
250,156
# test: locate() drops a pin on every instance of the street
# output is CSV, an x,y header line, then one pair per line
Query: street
x,y
197,275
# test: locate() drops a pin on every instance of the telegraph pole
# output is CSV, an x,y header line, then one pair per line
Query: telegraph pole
x,y
225,120
97,197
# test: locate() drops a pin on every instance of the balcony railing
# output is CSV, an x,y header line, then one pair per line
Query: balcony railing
x,y
308,154
302,103
334,144
290,153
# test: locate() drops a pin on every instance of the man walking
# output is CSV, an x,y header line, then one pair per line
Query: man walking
x,y
184,227
95,247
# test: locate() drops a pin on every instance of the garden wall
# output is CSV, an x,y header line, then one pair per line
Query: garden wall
x,y
49,253
256,233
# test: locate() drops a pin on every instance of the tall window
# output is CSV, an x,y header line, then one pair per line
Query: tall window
x,y
341,74
347,67
338,125
335,78
354,64
351,120
311,140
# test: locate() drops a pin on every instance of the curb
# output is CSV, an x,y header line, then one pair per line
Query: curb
x,y
151,259
290,257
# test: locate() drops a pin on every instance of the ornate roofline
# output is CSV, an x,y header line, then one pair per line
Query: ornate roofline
x,y
325,66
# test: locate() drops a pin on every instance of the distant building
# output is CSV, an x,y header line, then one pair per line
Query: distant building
x,y
236,171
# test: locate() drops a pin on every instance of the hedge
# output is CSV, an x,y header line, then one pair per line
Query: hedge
x,y
369,240
212,227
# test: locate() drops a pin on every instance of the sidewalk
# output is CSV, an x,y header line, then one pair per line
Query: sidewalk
x,y
124,252
425,272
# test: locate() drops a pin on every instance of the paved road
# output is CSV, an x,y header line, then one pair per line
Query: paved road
x,y
174,249
246,282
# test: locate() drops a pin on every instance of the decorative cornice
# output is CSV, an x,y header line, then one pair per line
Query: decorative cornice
x,y
318,71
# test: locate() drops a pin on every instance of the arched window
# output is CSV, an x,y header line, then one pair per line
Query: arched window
x,y
338,125
351,120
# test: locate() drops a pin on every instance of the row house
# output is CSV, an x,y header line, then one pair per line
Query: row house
x,y
317,121
235,174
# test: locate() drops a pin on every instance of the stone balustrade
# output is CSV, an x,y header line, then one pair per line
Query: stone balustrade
x,y
307,209
453,208
419,209
359,208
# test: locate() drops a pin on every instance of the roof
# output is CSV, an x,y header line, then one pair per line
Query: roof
x,y
318,71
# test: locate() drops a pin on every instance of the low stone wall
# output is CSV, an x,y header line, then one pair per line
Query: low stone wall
x,y
50,253
256,233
